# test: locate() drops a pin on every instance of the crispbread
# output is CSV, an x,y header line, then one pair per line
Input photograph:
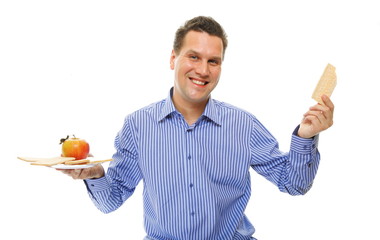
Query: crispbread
x,y
77,162
30,159
326,84
101,161
46,161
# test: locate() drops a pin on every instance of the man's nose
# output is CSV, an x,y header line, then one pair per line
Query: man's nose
x,y
203,68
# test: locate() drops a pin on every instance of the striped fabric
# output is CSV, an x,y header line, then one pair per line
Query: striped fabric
x,y
196,178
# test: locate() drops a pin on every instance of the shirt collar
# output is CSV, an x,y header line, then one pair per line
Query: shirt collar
x,y
168,107
211,110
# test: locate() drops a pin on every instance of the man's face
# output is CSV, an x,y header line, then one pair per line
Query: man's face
x,y
197,68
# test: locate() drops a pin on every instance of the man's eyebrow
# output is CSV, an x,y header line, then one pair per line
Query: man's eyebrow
x,y
191,51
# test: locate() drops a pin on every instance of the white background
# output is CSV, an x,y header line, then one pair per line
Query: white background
x,y
79,67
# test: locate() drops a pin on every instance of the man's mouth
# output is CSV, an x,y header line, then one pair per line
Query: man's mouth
x,y
198,82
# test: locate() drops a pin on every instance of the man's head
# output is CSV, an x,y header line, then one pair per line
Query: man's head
x,y
200,24
196,60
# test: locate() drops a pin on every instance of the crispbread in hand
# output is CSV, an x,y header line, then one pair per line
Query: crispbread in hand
x,y
326,84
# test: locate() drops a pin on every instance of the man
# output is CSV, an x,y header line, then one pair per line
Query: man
x,y
194,153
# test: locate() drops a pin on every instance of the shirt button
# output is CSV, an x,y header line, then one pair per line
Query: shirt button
x,y
189,157
92,185
191,185
192,213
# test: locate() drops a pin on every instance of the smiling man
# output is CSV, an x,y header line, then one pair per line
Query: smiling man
x,y
193,153
197,65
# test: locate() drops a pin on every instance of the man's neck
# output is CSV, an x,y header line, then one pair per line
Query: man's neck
x,y
190,111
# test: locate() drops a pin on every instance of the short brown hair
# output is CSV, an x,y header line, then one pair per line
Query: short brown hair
x,y
200,24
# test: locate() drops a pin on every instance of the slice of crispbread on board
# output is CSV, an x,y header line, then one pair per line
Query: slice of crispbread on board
x,y
30,159
100,161
326,84
77,162
46,161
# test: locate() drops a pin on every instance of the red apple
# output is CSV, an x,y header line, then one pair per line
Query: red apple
x,y
75,147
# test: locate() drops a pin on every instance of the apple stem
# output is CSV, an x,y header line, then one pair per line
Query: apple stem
x,y
63,139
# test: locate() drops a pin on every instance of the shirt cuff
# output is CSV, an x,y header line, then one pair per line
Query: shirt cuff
x,y
303,145
97,185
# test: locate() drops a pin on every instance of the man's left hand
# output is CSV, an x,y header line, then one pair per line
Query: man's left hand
x,y
317,119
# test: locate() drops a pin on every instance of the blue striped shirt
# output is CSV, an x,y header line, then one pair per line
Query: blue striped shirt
x,y
196,178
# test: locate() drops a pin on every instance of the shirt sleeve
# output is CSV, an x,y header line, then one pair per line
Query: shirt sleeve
x,y
123,174
294,171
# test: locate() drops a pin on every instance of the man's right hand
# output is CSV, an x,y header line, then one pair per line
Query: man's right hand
x,y
96,171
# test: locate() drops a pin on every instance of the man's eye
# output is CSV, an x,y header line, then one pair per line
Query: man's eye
x,y
214,62
193,57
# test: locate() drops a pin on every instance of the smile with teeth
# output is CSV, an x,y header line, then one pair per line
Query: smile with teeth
x,y
198,82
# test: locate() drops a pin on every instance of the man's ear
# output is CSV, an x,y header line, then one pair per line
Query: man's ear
x,y
172,60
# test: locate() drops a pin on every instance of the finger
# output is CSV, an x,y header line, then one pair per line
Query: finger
x,y
323,122
85,173
320,115
314,122
327,112
64,171
319,107
76,173
323,109
327,101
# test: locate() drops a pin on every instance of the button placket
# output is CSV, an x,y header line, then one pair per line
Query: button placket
x,y
190,162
